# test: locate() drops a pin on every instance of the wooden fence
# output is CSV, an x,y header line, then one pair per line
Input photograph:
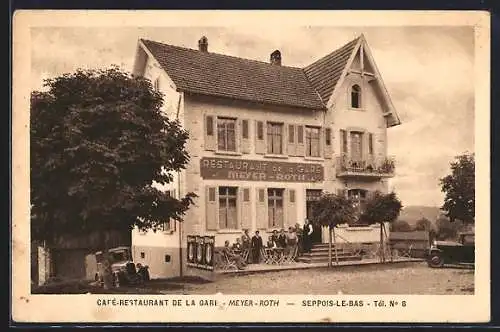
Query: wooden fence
x,y
415,243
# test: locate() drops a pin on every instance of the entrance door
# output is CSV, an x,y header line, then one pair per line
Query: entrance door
x,y
311,197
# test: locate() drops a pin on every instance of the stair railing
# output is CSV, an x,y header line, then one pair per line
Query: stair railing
x,y
350,245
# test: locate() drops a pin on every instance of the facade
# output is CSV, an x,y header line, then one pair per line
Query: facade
x,y
265,140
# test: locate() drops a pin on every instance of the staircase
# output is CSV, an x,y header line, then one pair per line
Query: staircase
x,y
319,254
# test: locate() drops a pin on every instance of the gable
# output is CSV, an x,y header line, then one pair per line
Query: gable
x,y
328,74
362,63
327,71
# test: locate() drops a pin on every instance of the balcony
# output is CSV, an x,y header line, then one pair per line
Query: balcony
x,y
367,168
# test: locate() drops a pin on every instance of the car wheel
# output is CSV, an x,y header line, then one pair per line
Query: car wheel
x,y
436,261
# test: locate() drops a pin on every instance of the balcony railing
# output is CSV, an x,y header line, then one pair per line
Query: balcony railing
x,y
366,167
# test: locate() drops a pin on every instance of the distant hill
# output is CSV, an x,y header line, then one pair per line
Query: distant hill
x,y
413,213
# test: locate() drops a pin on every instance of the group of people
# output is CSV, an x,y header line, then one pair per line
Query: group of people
x,y
295,237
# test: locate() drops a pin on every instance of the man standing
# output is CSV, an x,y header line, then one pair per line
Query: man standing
x,y
256,247
307,235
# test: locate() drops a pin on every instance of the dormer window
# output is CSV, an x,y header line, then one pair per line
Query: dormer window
x,y
356,96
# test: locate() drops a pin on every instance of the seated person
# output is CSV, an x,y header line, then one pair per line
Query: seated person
x,y
237,246
240,262
271,243
282,239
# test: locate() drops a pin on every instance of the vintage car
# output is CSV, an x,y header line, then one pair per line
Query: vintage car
x,y
123,269
461,251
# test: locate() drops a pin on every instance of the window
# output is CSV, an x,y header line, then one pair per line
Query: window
x,y
312,141
356,96
226,134
274,138
356,146
275,207
228,216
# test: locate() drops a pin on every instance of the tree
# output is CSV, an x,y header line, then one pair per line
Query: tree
x,y
100,151
401,226
423,224
447,230
459,189
382,208
332,210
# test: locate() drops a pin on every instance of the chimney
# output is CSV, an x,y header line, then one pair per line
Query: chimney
x,y
276,58
203,44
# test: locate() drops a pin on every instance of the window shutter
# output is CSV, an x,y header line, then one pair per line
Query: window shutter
x,y
245,136
212,215
291,208
322,142
238,135
260,137
379,145
245,208
284,139
300,147
291,147
328,150
261,208
343,142
210,133
364,146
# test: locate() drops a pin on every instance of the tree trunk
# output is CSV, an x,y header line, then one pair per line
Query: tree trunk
x,y
330,246
387,243
335,245
382,251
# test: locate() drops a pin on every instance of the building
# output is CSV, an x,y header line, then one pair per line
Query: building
x,y
265,140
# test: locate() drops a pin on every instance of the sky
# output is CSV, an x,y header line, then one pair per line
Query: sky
x,y
428,71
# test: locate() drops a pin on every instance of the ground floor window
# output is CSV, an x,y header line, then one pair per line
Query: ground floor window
x,y
275,207
228,212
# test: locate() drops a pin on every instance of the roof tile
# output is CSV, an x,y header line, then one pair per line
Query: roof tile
x,y
232,77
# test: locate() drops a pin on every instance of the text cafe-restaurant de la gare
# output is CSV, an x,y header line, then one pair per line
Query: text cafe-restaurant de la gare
x,y
265,144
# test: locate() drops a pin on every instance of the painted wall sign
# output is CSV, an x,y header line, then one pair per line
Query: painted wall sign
x,y
259,170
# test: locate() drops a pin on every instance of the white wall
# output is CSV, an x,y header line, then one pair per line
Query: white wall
x,y
156,245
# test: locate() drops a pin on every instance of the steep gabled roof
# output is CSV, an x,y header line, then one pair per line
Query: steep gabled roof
x,y
227,76
326,72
